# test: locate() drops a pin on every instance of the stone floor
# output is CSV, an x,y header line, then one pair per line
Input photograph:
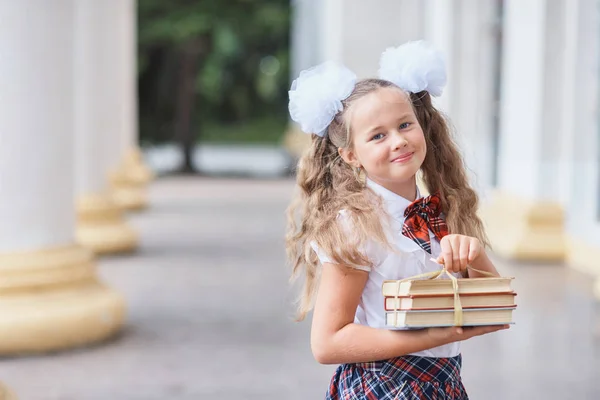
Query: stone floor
x,y
209,315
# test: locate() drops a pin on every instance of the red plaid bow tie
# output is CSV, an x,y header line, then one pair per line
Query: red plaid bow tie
x,y
421,216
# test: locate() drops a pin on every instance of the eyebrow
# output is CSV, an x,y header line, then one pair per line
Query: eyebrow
x,y
376,128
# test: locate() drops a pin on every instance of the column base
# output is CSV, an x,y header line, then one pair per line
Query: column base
x,y
584,257
6,394
135,169
130,198
129,182
101,227
295,142
51,300
525,230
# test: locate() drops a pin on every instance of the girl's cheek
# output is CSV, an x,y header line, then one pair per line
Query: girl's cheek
x,y
417,136
381,156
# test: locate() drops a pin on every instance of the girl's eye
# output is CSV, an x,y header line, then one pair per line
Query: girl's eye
x,y
378,136
404,125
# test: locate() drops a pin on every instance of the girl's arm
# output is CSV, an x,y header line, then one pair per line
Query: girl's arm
x,y
335,339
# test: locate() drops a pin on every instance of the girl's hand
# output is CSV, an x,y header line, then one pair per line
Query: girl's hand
x,y
457,333
458,251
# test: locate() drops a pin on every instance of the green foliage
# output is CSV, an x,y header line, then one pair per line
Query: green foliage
x,y
242,73
259,130
173,22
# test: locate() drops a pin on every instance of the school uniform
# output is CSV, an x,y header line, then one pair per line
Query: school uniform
x,y
428,374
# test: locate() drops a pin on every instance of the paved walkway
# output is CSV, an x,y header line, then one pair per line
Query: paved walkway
x,y
210,316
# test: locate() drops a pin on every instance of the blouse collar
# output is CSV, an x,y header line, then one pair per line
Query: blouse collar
x,y
394,204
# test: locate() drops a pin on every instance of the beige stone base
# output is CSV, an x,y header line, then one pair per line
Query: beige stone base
x,y
585,258
101,226
130,198
129,182
6,394
525,230
295,141
134,168
51,300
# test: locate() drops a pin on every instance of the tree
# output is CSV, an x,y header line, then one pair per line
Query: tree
x,y
202,60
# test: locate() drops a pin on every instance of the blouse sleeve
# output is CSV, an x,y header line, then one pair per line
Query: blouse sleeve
x,y
370,250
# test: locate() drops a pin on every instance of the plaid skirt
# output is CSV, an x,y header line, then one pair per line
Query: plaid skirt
x,y
408,377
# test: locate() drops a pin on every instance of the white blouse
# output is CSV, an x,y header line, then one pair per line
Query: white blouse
x,y
409,261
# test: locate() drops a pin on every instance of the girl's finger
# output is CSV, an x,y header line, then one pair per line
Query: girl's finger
x,y
456,244
447,254
464,252
474,250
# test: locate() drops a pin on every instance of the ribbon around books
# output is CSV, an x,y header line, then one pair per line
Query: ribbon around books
x,y
458,312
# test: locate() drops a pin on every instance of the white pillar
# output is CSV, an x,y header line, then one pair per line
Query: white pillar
x,y
130,174
531,105
36,150
466,32
471,99
580,131
439,29
101,226
128,57
305,35
49,296
527,219
580,183
356,32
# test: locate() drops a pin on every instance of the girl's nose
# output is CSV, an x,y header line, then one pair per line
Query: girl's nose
x,y
399,140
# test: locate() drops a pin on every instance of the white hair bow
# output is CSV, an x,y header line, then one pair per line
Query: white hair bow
x,y
317,95
414,67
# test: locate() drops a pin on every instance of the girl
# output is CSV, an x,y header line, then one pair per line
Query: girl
x,y
360,219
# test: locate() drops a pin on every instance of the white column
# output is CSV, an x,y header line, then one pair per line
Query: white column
x,y
356,32
439,29
128,75
96,95
100,224
49,296
474,77
466,31
306,44
306,38
330,25
36,146
529,129
580,186
528,218
580,131
130,175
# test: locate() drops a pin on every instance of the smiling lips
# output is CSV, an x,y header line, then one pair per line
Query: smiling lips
x,y
402,158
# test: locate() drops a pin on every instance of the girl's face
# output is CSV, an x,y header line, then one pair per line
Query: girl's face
x,y
387,140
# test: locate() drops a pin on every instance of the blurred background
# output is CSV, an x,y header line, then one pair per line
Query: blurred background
x,y
213,76
147,159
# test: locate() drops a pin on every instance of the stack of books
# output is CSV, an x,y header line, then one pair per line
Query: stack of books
x,y
417,304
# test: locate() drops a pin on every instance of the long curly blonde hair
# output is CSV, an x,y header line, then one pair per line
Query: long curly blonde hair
x,y
327,184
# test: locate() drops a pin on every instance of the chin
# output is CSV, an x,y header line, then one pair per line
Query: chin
x,y
405,175
397,179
